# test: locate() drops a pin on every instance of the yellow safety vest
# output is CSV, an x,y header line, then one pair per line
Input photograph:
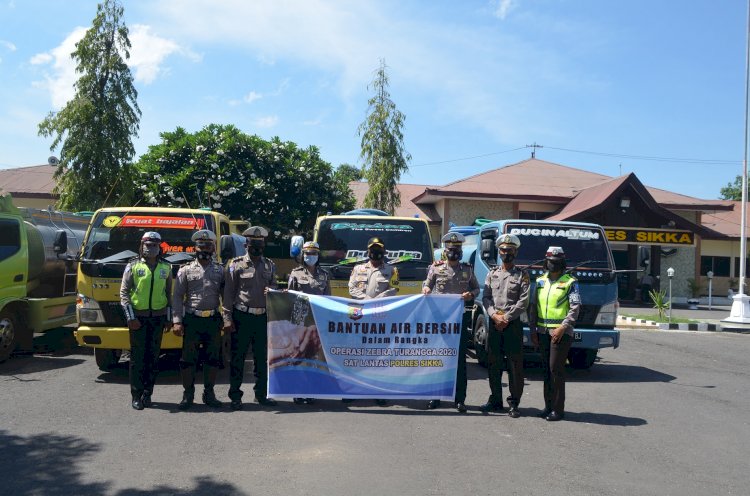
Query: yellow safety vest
x,y
552,303
150,289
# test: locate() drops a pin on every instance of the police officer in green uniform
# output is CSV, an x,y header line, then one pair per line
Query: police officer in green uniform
x,y
505,297
451,276
144,296
246,282
197,316
311,279
551,319
374,279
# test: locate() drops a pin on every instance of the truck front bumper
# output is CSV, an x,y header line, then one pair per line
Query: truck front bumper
x,y
586,338
118,338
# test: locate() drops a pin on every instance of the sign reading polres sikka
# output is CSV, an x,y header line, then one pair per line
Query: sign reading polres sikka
x,y
627,235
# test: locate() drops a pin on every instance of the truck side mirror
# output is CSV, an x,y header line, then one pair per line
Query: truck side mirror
x,y
226,248
60,245
488,250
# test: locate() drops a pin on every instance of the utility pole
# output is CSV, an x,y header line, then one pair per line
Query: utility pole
x,y
533,149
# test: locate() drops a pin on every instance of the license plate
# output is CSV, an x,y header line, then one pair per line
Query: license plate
x,y
576,336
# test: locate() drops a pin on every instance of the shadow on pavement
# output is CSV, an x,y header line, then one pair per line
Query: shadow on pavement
x,y
21,365
51,464
604,419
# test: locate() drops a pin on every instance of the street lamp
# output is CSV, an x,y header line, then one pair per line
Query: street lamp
x,y
710,276
670,274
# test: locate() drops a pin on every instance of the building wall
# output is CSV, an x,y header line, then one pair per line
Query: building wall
x,y
42,203
683,263
463,212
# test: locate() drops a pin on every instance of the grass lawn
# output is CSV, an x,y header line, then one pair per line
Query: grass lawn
x,y
655,318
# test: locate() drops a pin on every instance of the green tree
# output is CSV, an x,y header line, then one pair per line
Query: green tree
x,y
383,155
349,173
96,127
732,191
272,183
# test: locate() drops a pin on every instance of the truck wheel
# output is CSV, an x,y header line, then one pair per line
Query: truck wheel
x,y
106,360
480,338
582,358
9,329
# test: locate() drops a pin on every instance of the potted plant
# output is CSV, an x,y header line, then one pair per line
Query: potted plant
x,y
694,286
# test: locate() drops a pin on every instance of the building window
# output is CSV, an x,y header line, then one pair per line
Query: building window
x,y
533,215
737,266
718,265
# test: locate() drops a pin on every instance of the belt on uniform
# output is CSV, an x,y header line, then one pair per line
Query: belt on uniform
x,y
251,310
201,313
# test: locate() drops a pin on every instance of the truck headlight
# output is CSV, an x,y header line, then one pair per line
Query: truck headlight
x,y
607,315
88,310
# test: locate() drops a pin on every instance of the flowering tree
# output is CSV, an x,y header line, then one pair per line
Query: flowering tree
x,y
271,183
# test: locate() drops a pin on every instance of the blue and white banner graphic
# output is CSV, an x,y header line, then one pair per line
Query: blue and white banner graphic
x,y
389,348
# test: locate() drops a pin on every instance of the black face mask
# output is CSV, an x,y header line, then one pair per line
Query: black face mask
x,y
555,265
254,248
376,254
204,255
507,257
453,255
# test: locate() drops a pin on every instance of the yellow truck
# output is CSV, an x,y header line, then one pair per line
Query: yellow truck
x,y
112,240
343,244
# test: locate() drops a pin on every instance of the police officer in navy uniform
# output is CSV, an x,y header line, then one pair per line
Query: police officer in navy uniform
x,y
309,278
144,296
197,316
552,315
246,283
373,279
505,297
451,276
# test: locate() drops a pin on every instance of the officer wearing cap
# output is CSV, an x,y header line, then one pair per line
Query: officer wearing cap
x,y
311,279
451,276
195,304
505,297
552,315
246,281
374,279
144,296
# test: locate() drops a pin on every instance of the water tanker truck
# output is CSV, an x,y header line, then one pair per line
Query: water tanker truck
x,y
38,250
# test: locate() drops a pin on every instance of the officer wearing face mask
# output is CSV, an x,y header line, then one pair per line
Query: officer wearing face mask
x,y
551,319
247,279
197,316
374,279
144,296
505,297
451,276
311,279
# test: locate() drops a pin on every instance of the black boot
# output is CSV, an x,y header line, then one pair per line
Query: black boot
x,y
187,401
433,404
188,383
209,378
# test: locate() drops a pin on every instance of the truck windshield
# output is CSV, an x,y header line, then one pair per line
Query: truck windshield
x,y
114,232
344,239
580,244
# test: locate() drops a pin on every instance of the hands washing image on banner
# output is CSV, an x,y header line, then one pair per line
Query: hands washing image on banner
x,y
331,347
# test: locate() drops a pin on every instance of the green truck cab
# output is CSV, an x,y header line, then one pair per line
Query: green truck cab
x,y
38,266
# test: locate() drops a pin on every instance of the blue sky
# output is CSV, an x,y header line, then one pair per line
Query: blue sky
x,y
476,78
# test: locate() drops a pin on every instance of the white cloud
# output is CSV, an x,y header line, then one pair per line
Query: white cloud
x,y
251,97
502,8
8,45
149,51
266,122
147,57
479,75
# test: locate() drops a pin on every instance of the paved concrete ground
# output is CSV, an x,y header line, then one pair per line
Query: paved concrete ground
x,y
665,414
